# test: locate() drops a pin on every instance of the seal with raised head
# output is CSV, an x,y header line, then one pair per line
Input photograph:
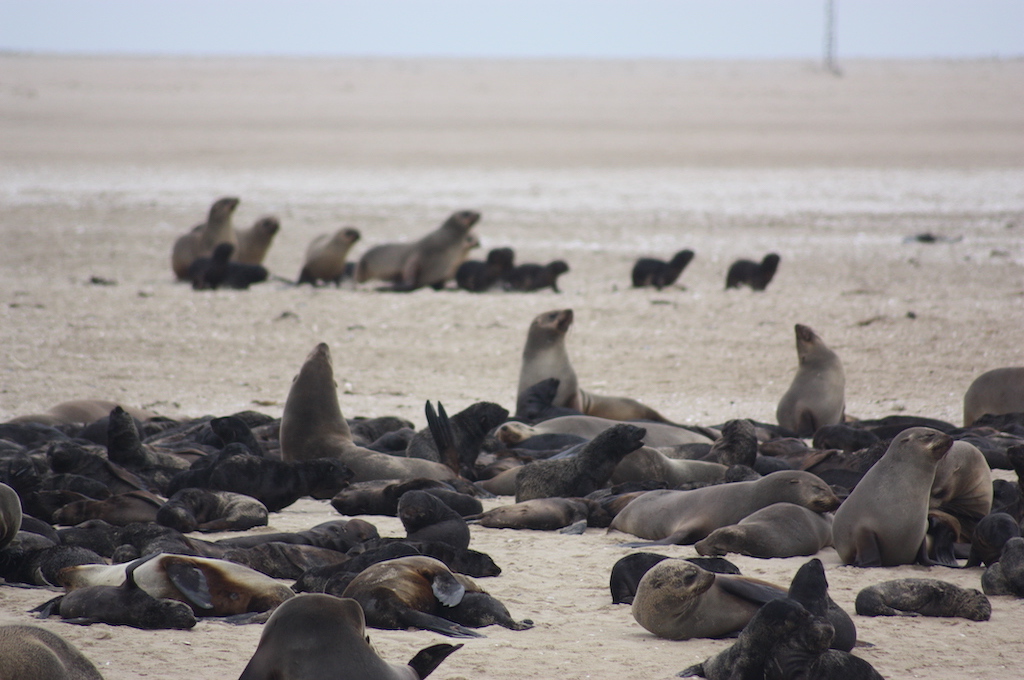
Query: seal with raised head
x,y
778,530
312,426
427,518
924,596
817,395
883,522
316,637
809,587
254,242
678,600
34,653
757,275
649,271
685,517
203,238
527,278
998,391
326,257
1006,577
430,261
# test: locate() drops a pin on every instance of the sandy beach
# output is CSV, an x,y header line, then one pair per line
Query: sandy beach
x,y
104,162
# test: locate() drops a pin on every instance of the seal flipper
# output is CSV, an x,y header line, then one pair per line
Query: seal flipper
x,y
444,438
866,550
412,618
447,589
429,658
191,583
695,671
48,608
752,591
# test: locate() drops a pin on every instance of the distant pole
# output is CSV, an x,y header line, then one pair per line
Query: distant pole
x,y
831,64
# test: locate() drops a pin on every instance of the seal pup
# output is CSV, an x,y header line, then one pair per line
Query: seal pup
x,y
427,518
649,271
218,271
203,238
677,600
806,653
809,587
990,536
587,471
10,515
1006,577
207,511
649,464
539,514
998,391
430,261
312,427
34,653
254,242
753,274
924,596
963,487
478,277
527,278
685,517
778,530
816,396
884,520
326,256
321,637
627,572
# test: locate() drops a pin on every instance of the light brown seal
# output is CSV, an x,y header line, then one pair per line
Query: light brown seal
x,y
998,391
322,637
685,517
963,487
33,653
81,412
203,238
678,600
10,514
430,261
816,396
658,434
312,426
884,519
545,356
779,530
254,242
326,257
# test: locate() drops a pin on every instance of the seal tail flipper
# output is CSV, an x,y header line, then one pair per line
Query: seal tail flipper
x,y
418,619
429,658
695,671
48,608
444,438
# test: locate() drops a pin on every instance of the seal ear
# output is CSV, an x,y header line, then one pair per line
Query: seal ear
x,y
429,658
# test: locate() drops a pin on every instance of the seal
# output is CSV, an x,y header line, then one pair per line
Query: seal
x,y
809,587
430,261
254,242
685,517
805,653
753,274
1006,577
469,428
320,636
312,427
884,519
326,257
539,514
998,391
963,487
207,511
527,278
627,572
81,412
924,596
120,510
578,475
203,238
816,396
218,271
421,592
427,518
649,464
34,653
478,277
648,271
778,530
10,515
677,600
658,435
545,356
990,536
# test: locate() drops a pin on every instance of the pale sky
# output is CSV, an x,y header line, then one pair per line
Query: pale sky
x,y
703,29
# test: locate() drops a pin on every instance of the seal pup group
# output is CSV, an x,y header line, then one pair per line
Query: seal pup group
x,y
883,522
817,395
757,275
314,637
648,271
203,238
326,257
998,391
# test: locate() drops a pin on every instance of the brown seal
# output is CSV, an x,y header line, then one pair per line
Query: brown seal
x,y
312,426
588,427
254,242
545,356
326,257
203,238
10,514
678,600
884,519
649,464
33,653
321,636
81,412
816,396
430,261
963,487
685,517
998,391
924,596
779,530
539,514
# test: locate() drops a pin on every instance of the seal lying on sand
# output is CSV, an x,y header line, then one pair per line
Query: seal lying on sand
x,y
33,653
779,530
817,395
321,636
326,256
218,271
477,277
924,596
753,274
545,356
527,278
430,261
651,272
998,391
203,238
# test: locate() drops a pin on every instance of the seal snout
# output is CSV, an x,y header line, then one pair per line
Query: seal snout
x,y
565,320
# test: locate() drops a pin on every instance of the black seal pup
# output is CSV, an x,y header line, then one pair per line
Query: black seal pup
x,y
649,271
203,238
477,277
527,278
753,274
924,596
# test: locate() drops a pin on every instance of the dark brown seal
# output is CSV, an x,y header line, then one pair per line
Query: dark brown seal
x,y
478,277
203,238
924,596
205,510
649,271
753,274
817,395
326,257
527,278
